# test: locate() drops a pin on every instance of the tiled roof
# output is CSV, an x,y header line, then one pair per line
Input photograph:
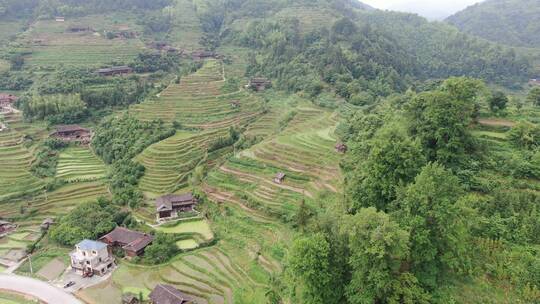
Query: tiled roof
x,y
91,245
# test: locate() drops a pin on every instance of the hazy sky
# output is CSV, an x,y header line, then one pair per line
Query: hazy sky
x,y
433,9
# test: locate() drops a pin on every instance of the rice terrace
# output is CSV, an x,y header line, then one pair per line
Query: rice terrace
x,y
266,151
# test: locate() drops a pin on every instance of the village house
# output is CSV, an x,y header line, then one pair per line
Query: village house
x,y
341,148
79,28
116,70
6,102
534,81
171,205
201,55
6,227
280,177
166,294
131,242
259,84
92,257
46,224
72,133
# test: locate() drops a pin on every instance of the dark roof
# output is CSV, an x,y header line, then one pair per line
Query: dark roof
x,y
48,221
8,97
259,80
132,240
166,294
70,128
166,202
129,298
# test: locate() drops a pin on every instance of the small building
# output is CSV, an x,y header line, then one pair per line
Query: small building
x,y
72,133
235,104
47,223
92,257
259,84
341,148
171,205
201,55
79,28
116,70
166,294
7,100
280,177
59,19
3,126
6,227
534,81
130,298
131,242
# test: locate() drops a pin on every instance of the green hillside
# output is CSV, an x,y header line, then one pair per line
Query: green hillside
x,y
510,22
390,159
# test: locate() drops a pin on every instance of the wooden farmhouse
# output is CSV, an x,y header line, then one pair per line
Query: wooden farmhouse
x,y
341,148
6,227
72,133
259,84
6,102
92,258
280,177
166,294
131,242
201,55
170,206
116,70
79,28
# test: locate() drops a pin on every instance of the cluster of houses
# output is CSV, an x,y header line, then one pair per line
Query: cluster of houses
x,y
72,133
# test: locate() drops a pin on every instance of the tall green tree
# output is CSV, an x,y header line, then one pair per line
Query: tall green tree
x,y
309,265
497,101
379,252
439,236
393,160
534,96
441,120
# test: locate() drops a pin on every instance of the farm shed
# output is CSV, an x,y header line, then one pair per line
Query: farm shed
x,y
280,177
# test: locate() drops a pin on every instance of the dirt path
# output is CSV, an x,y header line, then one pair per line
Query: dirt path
x,y
282,186
496,122
226,197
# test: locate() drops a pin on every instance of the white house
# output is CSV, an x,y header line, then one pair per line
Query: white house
x,y
91,257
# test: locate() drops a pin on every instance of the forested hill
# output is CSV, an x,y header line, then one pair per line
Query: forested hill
x,y
361,52
511,22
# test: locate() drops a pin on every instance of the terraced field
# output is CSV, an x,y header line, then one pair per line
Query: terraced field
x,y
79,164
16,159
51,45
169,162
304,151
197,102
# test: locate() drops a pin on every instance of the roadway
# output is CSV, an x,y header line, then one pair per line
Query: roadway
x,y
36,288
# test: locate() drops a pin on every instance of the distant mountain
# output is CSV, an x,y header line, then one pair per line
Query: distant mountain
x,y
511,22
